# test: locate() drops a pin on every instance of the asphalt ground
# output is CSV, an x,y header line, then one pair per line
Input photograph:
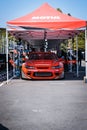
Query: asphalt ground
x,y
43,105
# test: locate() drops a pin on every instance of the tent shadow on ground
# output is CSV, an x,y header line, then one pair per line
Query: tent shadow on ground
x,y
3,127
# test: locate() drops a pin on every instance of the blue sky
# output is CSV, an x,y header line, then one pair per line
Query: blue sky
x,y
11,9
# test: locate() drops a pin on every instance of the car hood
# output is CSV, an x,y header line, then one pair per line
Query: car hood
x,y
42,62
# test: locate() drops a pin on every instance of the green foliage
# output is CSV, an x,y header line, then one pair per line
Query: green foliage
x,y
69,14
63,47
10,37
81,41
81,38
59,10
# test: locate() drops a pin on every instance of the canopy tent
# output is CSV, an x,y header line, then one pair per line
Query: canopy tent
x,y
46,22
48,17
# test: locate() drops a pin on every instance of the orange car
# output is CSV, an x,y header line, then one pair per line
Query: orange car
x,y
42,65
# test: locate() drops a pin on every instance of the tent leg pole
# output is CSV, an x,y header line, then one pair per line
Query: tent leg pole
x,y
85,77
7,53
77,56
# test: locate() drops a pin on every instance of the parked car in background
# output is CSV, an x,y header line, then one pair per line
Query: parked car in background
x,y
42,65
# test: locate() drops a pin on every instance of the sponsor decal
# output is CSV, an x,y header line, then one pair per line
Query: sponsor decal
x,y
45,17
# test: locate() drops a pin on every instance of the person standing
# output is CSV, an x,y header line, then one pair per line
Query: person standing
x,y
79,57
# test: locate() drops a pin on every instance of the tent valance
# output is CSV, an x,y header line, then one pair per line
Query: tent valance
x,y
42,34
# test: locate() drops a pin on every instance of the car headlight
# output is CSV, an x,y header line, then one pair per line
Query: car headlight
x,y
56,67
29,67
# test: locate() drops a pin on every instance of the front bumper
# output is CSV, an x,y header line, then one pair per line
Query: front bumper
x,y
43,74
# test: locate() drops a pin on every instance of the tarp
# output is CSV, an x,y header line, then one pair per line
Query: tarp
x,y
48,17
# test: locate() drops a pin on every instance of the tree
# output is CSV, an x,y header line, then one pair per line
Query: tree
x,y
69,14
2,39
58,9
81,41
81,37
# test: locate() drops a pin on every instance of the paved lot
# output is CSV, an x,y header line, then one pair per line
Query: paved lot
x,y
43,105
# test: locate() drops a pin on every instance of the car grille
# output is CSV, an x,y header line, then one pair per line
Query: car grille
x,y
42,74
43,67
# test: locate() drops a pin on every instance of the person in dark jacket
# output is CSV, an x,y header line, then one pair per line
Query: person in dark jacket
x,y
79,57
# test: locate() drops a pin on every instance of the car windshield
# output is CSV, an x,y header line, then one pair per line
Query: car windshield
x,y
43,56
